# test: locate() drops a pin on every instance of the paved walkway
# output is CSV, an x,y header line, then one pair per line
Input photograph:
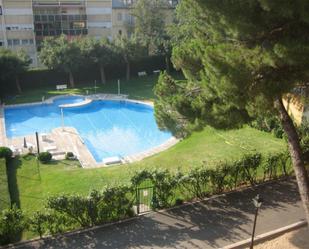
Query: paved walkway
x,y
211,224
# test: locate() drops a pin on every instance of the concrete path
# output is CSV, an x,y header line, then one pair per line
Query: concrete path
x,y
210,224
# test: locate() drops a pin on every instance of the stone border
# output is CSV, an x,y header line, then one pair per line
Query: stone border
x,y
267,236
113,97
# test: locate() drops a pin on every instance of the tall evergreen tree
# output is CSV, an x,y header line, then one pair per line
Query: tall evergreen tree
x,y
240,58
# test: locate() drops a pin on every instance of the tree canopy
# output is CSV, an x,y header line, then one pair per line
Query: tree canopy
x,y
129,49
61,54
239,58
99,52
12,64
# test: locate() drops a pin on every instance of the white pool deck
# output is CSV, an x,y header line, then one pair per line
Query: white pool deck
x,y
67,139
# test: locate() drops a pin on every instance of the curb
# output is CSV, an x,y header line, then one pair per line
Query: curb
x,y
266,236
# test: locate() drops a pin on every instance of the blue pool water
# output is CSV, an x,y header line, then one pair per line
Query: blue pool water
x,y
108,128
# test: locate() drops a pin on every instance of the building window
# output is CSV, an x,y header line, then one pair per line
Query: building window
x,y
25,42
10,42
1,43
120,32
16,42
119,16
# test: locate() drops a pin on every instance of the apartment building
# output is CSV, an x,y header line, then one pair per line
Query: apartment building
x,y
17,27
123,21
25,23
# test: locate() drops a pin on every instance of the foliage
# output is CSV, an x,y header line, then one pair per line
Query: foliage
x,y
164,183
6,153
99,52
69,155
12,64
218,176
97,208
269,124
63,54
45,157
48,222
196,182
130,49
248,166
12,223
66,212
5,200
303,132
239,58
149,25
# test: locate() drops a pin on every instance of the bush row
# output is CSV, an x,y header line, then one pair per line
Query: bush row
x,y
66,212
50,78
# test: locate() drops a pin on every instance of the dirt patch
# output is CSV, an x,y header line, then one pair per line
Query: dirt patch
x,y
298,239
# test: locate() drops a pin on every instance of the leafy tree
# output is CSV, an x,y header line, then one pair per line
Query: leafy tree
x,y
151,28
149,24
98,52
129,49
239,58
12,64
62,54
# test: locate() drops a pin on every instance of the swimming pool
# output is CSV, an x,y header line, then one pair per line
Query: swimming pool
x,y
108,127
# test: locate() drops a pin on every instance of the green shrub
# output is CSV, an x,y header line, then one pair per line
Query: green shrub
x,y
5,153
164,184
69,155
12,223
45,157
49,222
97,208
196,182
269,124
218,176
248,166
303,132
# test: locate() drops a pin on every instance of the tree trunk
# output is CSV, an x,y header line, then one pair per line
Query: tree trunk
x,y
71,79
18,84
296,155
128,71
167,63
103,77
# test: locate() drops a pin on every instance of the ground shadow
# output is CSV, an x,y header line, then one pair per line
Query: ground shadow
x,y
300,238
12,166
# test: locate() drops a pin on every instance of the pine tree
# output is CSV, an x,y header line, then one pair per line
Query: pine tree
x,y
239,58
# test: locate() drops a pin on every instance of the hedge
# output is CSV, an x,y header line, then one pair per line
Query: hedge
x,y
44,77
5,200
68,212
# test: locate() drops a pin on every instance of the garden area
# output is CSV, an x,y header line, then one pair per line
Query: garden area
x,y
33,182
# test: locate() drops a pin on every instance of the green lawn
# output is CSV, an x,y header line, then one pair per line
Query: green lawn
x,y
137,88
4,190
33,182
